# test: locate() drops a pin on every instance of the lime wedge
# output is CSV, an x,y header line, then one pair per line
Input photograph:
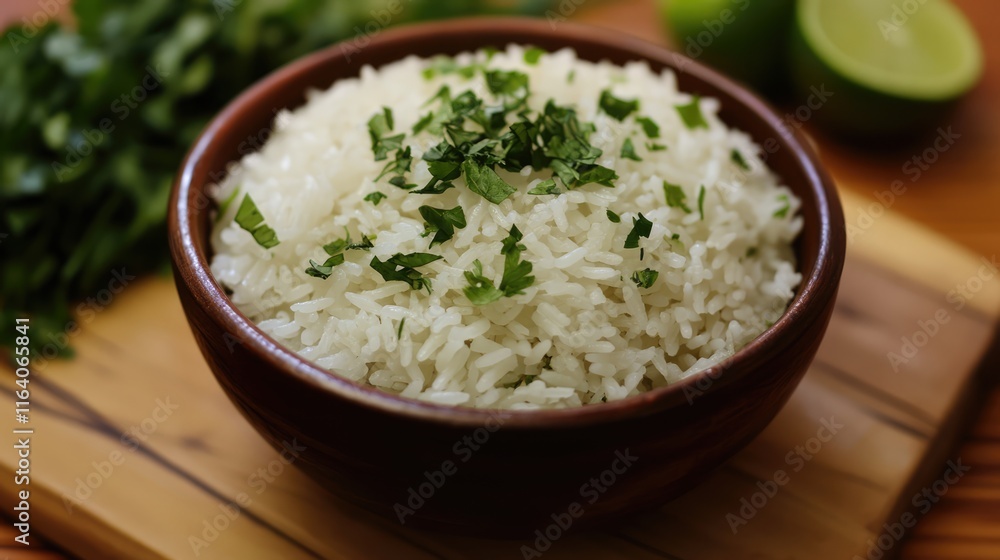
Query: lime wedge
x,y
745,39
890,66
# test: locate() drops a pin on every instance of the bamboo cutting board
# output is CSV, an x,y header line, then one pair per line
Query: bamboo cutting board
x,y
136,452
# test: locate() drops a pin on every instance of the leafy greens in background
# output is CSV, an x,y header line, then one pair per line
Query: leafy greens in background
x,y
78,203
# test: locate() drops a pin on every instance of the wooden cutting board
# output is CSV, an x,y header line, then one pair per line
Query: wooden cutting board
x,y
136,452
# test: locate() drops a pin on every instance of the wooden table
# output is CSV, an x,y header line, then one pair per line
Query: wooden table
x,y
958,197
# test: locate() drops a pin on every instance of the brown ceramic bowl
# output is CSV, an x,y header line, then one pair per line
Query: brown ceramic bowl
x,y
504,473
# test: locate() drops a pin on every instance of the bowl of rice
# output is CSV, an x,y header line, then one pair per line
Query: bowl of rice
x,y
494,274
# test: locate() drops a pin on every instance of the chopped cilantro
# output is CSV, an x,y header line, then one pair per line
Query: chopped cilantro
x,y
650,127
571,76
738,159
597,174
378,127
645,278
617,108
507,82
399,329
485,182
401,164
701,201
324,270
780,212
406,271
654,147
628,151
532,55
400,182
435,187
547,186
615,218
675,196
641,227
480,290
335,249
374,197
249,218
691,114
442,222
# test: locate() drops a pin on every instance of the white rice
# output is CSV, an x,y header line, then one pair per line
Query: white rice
x,y
720,285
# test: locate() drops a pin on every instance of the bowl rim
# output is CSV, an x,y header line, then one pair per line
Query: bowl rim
x,y
818,287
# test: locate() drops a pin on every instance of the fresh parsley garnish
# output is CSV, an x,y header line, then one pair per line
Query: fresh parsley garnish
x,y
780,212
701,202
571,76
738,159
399,329
480,290
654,147
641,227
628,151
516,274
249,218
400,182
335,251
614,218
532,55
379,126
675,196
402,268
650,127
399,165
485,182
324,270
374,197
691,114
645,278
617,108
547,186
442,223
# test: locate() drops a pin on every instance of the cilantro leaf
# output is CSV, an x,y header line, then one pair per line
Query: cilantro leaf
x,y
406,271
507,82
435,187
400,182
701,202
675,196
597,174
485,182
374,197
645,278
324,270
738,159
413,260
480,290
649,126
378,126
401,164
547,186
780,212
614,218
654,147
641,227
691,114
532,55
442,222
615,107
628,151
250,219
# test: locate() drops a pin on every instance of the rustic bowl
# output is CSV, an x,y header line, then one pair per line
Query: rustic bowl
x,y
501,473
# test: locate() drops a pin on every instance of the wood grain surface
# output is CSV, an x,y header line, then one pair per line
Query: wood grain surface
x,y
958,198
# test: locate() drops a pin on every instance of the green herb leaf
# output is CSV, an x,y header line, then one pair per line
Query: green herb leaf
x,y
628,151
400,182
615,218
547,186
598,174
401,164
324,270
649,126
780,212
435,187
653,147
509,83
675,196
615,107
480,290
399,329
378,126
249,218
413,260
442,222
641,227
392,269
691,114
485,182
738,159
645,278
374,197
701,202
532,55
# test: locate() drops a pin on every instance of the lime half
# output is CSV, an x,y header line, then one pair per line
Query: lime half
x,y
890,66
